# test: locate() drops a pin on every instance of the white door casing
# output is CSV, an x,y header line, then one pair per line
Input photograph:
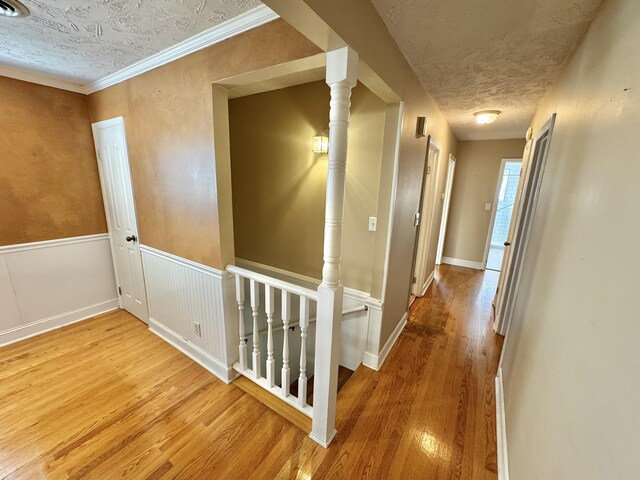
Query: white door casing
x,y
115,178
445,208
426,223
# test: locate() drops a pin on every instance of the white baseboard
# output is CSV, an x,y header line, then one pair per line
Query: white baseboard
x,y
458,262
428,283
374,361
501,430
219,369
322,443
49,284
58,321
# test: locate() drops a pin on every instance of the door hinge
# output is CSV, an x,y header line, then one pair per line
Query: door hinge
x,y
429,170
119,290
416,219
414,279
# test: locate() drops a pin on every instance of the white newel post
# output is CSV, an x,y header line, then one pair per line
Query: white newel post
x,y
342,67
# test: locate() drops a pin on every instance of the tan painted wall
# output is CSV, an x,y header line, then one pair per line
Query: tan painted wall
x,y
279,184
169,121
49,183
474,184
571,360
412,159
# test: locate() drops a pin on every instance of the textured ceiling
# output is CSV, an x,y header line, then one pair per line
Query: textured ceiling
x,y
487,54
84,40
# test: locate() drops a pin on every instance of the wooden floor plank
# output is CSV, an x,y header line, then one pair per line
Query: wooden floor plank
x,y
106,398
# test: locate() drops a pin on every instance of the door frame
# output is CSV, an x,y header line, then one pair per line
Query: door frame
x,y
448,189
494,208
423,241
520,228
417,222
120,122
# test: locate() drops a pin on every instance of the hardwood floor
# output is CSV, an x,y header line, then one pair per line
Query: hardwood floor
x,y
107,399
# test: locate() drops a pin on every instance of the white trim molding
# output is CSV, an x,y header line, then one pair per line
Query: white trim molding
x,y
183,261
428,283
23,247
501,430
40,79
39,327
240,24
49,284
195,353
223,31
458,262
374,361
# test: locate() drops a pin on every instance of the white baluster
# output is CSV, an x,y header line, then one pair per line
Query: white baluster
x,y
286,316
242,347
268,304
255,303
304,324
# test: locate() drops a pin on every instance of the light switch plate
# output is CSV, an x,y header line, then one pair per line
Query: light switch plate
x,y
373,224
487,206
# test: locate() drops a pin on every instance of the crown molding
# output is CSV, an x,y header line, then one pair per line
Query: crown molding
x,y
32,77
242,23
246,21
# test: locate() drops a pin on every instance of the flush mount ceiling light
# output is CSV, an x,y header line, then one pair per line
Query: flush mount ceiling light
x,y
13,9
485,117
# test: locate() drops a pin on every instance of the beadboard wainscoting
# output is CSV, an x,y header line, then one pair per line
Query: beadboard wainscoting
x,y
187,309
46,285
360,329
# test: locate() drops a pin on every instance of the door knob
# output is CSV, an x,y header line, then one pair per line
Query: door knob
x,y
132,238
507,244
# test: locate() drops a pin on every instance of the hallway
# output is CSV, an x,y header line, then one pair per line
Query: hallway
x,y
430,412
106,398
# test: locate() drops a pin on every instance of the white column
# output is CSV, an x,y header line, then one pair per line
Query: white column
x,y
342,67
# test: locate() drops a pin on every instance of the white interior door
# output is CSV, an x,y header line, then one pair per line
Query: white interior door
x,y
520,227
115,176
445,208
426,222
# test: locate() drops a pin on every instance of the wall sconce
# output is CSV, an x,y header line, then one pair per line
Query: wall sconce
x,y
320,143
